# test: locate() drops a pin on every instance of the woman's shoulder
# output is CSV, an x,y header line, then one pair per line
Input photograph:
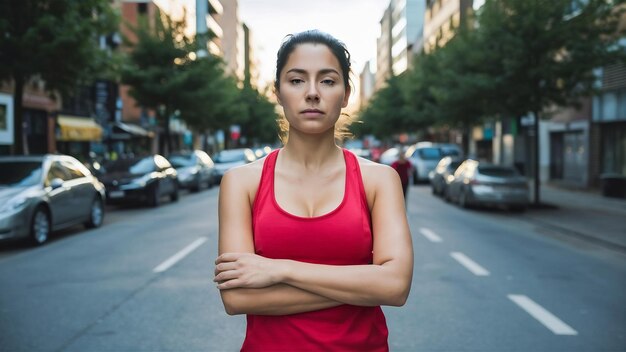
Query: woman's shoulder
x,y
368,166
247,174
373,172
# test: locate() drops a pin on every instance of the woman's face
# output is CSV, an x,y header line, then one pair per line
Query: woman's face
x,y
312,91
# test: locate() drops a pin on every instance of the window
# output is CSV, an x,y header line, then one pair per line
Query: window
x,y
57,171
142,8
73,170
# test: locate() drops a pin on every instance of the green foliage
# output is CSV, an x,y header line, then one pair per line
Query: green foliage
x,y
258,120
523,56
56,40
543,53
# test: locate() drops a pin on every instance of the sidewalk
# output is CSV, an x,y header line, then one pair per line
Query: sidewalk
x,y
585,214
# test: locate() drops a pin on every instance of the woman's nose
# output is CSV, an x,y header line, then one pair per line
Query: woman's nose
x,y
312,93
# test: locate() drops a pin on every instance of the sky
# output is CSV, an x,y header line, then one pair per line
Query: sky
x,y
355,22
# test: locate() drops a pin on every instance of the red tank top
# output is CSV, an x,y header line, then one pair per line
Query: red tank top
x,y
341,237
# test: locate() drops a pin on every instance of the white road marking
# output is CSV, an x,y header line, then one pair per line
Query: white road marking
x,y
180,255
469,264
549,320
430,235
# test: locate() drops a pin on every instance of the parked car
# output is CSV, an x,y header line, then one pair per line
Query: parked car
x,y
146,179
485,184
42,194
389,156
194,169
445,169
229,158
423,156
450,149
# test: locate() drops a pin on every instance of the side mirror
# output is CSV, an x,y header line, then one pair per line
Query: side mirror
x,y
56,183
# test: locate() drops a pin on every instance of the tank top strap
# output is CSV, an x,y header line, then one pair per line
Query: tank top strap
x,y
355,179
266,184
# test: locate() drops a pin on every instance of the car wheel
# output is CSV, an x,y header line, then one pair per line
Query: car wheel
x,y
415,178
155,196
96,215
40,227
174,195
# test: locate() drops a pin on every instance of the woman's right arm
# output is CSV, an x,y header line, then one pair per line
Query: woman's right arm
x,y
235,236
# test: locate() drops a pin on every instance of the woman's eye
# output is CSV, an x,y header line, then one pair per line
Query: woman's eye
x,y
296,81
330,82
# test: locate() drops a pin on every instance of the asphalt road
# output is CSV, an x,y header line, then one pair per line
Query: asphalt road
x,y
483,281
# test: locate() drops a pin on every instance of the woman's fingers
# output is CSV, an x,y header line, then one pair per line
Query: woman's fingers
x,y
225,267
235,283
227,275
229,257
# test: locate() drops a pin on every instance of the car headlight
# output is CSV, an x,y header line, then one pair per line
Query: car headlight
x,y
13,204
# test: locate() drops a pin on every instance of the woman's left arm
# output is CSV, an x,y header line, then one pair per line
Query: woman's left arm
x,y
386,281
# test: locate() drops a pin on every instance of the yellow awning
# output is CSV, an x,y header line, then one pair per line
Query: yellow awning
x,y
78,129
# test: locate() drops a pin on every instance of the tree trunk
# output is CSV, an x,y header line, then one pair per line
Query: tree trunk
x,y
19,141
168,140
537,182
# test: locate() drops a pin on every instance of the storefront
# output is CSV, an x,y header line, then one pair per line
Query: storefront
x,y
126,138
75,134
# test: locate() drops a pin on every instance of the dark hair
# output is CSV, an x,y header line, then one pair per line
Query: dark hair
x,y
315,36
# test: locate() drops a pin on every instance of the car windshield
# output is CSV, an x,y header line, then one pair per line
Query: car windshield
x,y
20,173
134,166
430,153
181,160
450,152
497,171
229,156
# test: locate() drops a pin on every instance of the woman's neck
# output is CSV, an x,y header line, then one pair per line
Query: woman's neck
x,y
311,152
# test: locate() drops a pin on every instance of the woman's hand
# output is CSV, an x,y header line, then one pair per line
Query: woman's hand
x,y
245,270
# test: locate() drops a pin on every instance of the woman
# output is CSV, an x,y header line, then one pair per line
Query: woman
x,y
312,240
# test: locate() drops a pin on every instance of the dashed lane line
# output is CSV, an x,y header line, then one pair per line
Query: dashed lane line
x,y
180,255
430,235
549,320
469,264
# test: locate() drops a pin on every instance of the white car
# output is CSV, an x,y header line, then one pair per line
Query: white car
x,y
424,157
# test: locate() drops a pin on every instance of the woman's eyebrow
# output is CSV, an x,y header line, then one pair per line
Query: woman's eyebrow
x,y
322,71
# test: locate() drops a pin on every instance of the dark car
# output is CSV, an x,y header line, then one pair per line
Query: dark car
x,y
195,169
440,177
145,180
479,183
41,194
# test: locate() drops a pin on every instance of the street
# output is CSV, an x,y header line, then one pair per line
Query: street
x,y
483,281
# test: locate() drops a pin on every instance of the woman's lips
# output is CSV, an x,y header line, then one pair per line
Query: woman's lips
x,y
312,112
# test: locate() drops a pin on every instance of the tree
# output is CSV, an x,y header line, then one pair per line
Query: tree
x,y
543,54
55,40
389,111
258,120
158,68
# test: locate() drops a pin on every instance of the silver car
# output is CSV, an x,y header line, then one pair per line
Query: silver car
x,y
424,157
478,183
41,194
195,169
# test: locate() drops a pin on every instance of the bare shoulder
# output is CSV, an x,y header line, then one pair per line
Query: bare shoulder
x,y
243,178
246,175
377,178
375,173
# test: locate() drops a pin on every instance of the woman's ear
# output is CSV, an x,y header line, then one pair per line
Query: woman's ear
x,y
346,98
277,94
